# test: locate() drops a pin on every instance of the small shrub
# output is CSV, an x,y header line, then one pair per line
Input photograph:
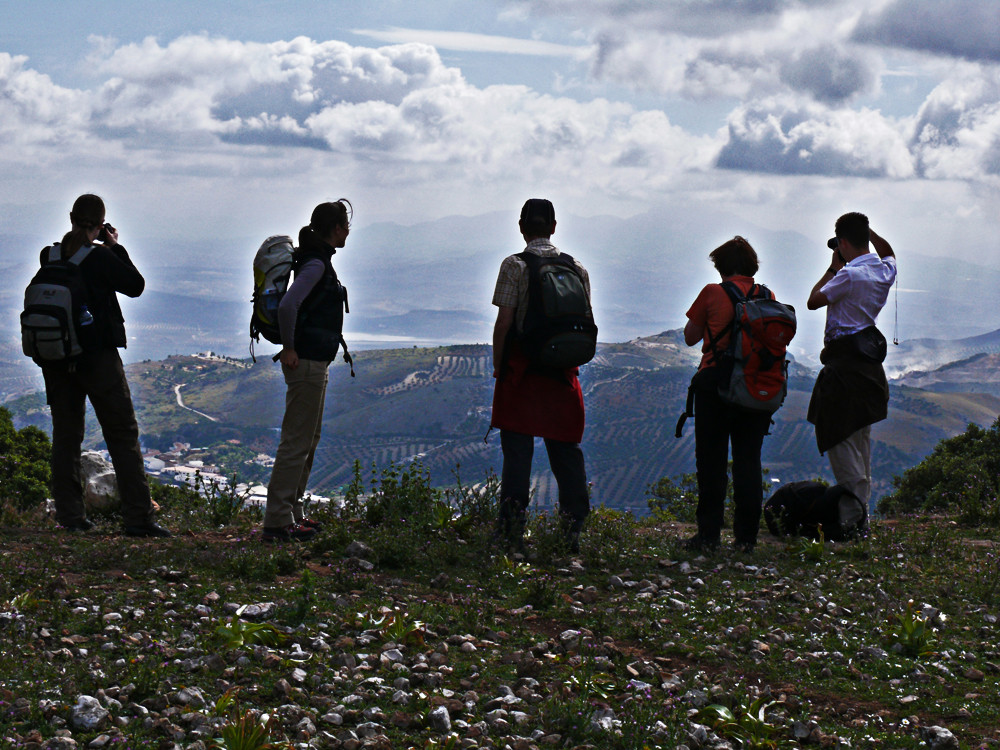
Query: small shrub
x,y
962,475
674,499
677,499
24,464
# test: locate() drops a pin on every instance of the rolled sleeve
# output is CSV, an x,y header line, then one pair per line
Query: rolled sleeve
x,y
506,292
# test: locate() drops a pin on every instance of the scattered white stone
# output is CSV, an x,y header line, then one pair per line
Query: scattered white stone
x,y
939,738
440,719
603,720
88,713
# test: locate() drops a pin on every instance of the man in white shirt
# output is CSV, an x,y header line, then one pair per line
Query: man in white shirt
x,y
851,392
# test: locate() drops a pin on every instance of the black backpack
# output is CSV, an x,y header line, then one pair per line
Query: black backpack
x,y
57,325
559,329
802,508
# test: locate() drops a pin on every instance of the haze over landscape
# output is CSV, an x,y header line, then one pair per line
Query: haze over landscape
x,y
658,130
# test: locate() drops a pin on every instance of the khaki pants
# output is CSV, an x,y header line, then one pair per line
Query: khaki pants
x,y
851,461
300,433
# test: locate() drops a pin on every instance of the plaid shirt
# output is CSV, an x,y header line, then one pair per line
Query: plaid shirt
x,y
512,283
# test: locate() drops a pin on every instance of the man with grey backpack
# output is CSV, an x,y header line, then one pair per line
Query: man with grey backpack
x,y
544,330
72,326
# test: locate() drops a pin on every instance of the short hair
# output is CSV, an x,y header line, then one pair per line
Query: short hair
x,y
853,227
537,217
735,257
326,216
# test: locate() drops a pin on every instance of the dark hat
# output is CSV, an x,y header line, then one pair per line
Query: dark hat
x,y
538,209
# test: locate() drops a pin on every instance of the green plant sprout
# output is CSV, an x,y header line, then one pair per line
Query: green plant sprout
x,y
237,633
914,632
247,731
812,549
746,725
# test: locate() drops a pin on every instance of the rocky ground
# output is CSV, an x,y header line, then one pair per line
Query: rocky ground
x,y
388,633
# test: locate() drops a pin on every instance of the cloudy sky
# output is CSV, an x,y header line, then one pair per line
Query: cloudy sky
x,y
198,120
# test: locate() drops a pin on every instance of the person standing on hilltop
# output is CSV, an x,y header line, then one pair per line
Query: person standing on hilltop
x,y
311,319
532,401
851,392
718,422
97,374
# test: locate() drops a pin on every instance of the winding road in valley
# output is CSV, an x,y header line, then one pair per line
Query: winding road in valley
x,y
180,403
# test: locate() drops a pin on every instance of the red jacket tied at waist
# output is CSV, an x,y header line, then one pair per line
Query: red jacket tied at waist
x,y
533,403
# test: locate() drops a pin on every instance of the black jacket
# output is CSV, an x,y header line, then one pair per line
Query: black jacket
x,y
851,392
320,323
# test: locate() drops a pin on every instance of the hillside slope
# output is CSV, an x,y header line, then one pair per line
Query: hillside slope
x,y
433,405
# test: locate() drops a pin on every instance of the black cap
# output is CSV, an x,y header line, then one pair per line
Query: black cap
x,y
538,209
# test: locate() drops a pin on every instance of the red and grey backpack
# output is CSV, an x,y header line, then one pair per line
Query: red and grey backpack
x,y
752,370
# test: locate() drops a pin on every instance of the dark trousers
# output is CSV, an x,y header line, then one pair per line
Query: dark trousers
x,y
566,460
716,424
102,380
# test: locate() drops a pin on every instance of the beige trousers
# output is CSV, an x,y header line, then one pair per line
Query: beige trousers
x,y
300,433
851,461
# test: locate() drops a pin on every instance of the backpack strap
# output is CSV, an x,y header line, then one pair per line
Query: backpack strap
x,y
55,254
736,296
688,410
757,291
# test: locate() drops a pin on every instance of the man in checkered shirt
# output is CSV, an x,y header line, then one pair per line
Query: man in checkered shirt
x,y
528,402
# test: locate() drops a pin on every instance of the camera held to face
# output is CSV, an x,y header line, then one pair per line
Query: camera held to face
x,y
833,243
103,235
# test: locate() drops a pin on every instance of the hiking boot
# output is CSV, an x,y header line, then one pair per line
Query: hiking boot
x,y
79,527
571,532
293,532
744,546
150,529
311,524
509,530
699,543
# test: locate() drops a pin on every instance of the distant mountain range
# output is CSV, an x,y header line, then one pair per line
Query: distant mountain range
x,y
925,355
431,283
429,286
432,405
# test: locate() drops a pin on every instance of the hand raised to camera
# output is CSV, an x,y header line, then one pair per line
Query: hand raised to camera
x,y
837,260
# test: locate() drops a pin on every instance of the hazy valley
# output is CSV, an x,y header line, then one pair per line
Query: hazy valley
x,y
426,288
433,405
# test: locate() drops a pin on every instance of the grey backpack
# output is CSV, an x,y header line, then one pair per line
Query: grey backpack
x,y
57,325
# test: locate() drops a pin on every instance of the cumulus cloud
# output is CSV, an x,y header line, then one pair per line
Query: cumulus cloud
x,y
958,28
782,138
201,105
830,74
725,48
957,131
33,109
